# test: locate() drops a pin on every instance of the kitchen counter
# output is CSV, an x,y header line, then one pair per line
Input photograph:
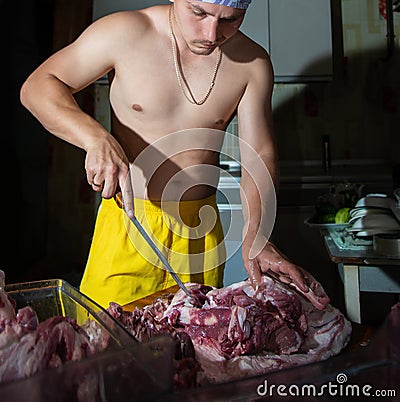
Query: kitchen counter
x,y
302,182
315,173
362,270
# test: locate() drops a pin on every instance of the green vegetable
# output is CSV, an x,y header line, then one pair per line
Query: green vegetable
x,y
324,208
343,215
327,218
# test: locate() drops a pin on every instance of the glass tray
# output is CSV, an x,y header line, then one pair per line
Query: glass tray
x,y
126,370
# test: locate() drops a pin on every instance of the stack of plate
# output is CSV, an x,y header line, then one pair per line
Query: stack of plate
x,y
374,214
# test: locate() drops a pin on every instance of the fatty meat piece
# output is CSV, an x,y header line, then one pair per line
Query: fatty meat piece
x,y
238,331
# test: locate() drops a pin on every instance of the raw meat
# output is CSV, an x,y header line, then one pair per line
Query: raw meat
x,y
7,306
27,346
236,321
147,323
325,335
239,332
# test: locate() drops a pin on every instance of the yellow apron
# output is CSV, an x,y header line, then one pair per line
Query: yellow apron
x,y
121,267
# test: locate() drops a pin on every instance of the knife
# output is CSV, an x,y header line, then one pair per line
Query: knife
x,y
154,247
159,254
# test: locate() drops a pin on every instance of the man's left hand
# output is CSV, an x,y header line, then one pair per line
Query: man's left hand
x,y
274,263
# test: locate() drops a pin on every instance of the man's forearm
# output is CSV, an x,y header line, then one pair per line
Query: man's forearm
x,y
53,104
259,181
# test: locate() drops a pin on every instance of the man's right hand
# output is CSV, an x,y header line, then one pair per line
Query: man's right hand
x,y
107,168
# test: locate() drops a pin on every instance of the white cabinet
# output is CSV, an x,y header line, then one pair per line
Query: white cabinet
x,y
301,38
256,22
297,34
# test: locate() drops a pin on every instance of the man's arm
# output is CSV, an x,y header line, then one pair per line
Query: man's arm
x,y
259,181
48,95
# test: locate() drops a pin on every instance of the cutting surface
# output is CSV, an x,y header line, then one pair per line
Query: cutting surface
x,y
144,301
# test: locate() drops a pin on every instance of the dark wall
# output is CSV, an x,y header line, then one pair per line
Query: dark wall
x,y
26,29
48,208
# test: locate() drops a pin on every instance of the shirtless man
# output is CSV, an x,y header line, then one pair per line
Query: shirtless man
x,y
172,69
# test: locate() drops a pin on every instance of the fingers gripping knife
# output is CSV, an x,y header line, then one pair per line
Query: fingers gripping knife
x,y
154,247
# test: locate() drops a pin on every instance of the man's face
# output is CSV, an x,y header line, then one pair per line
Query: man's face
x,y
204,26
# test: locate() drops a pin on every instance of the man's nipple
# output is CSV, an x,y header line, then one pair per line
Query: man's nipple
x,y
137,107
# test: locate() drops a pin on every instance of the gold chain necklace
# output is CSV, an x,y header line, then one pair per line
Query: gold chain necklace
x,y
182,82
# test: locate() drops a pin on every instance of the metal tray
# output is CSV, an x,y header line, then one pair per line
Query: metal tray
x,y
126,370
309,222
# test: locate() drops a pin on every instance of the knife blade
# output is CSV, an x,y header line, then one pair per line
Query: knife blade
x,y
160,255
153,246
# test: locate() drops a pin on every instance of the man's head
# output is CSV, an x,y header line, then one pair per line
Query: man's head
x,y
206,24
243,4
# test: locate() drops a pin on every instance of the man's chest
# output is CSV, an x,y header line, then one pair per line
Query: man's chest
x,y
152,91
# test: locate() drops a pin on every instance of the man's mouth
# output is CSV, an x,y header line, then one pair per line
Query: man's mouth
x,y
207,45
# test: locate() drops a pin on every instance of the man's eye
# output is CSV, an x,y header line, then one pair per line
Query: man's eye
x,y
198,13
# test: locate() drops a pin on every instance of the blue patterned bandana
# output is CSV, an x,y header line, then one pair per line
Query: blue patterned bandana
x,y
243,4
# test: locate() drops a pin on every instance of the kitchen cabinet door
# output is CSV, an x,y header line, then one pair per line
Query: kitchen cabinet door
x,y
256,22
297,34
300,35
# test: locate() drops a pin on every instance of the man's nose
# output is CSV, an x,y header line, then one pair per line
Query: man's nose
x,y
211,31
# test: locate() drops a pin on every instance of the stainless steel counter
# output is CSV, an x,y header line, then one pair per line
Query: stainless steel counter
x,y
362,271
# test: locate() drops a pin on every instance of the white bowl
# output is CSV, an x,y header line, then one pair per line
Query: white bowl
x,y
375,202
376,221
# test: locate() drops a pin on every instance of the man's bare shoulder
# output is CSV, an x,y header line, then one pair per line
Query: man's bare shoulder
x,y
134,23
122,22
